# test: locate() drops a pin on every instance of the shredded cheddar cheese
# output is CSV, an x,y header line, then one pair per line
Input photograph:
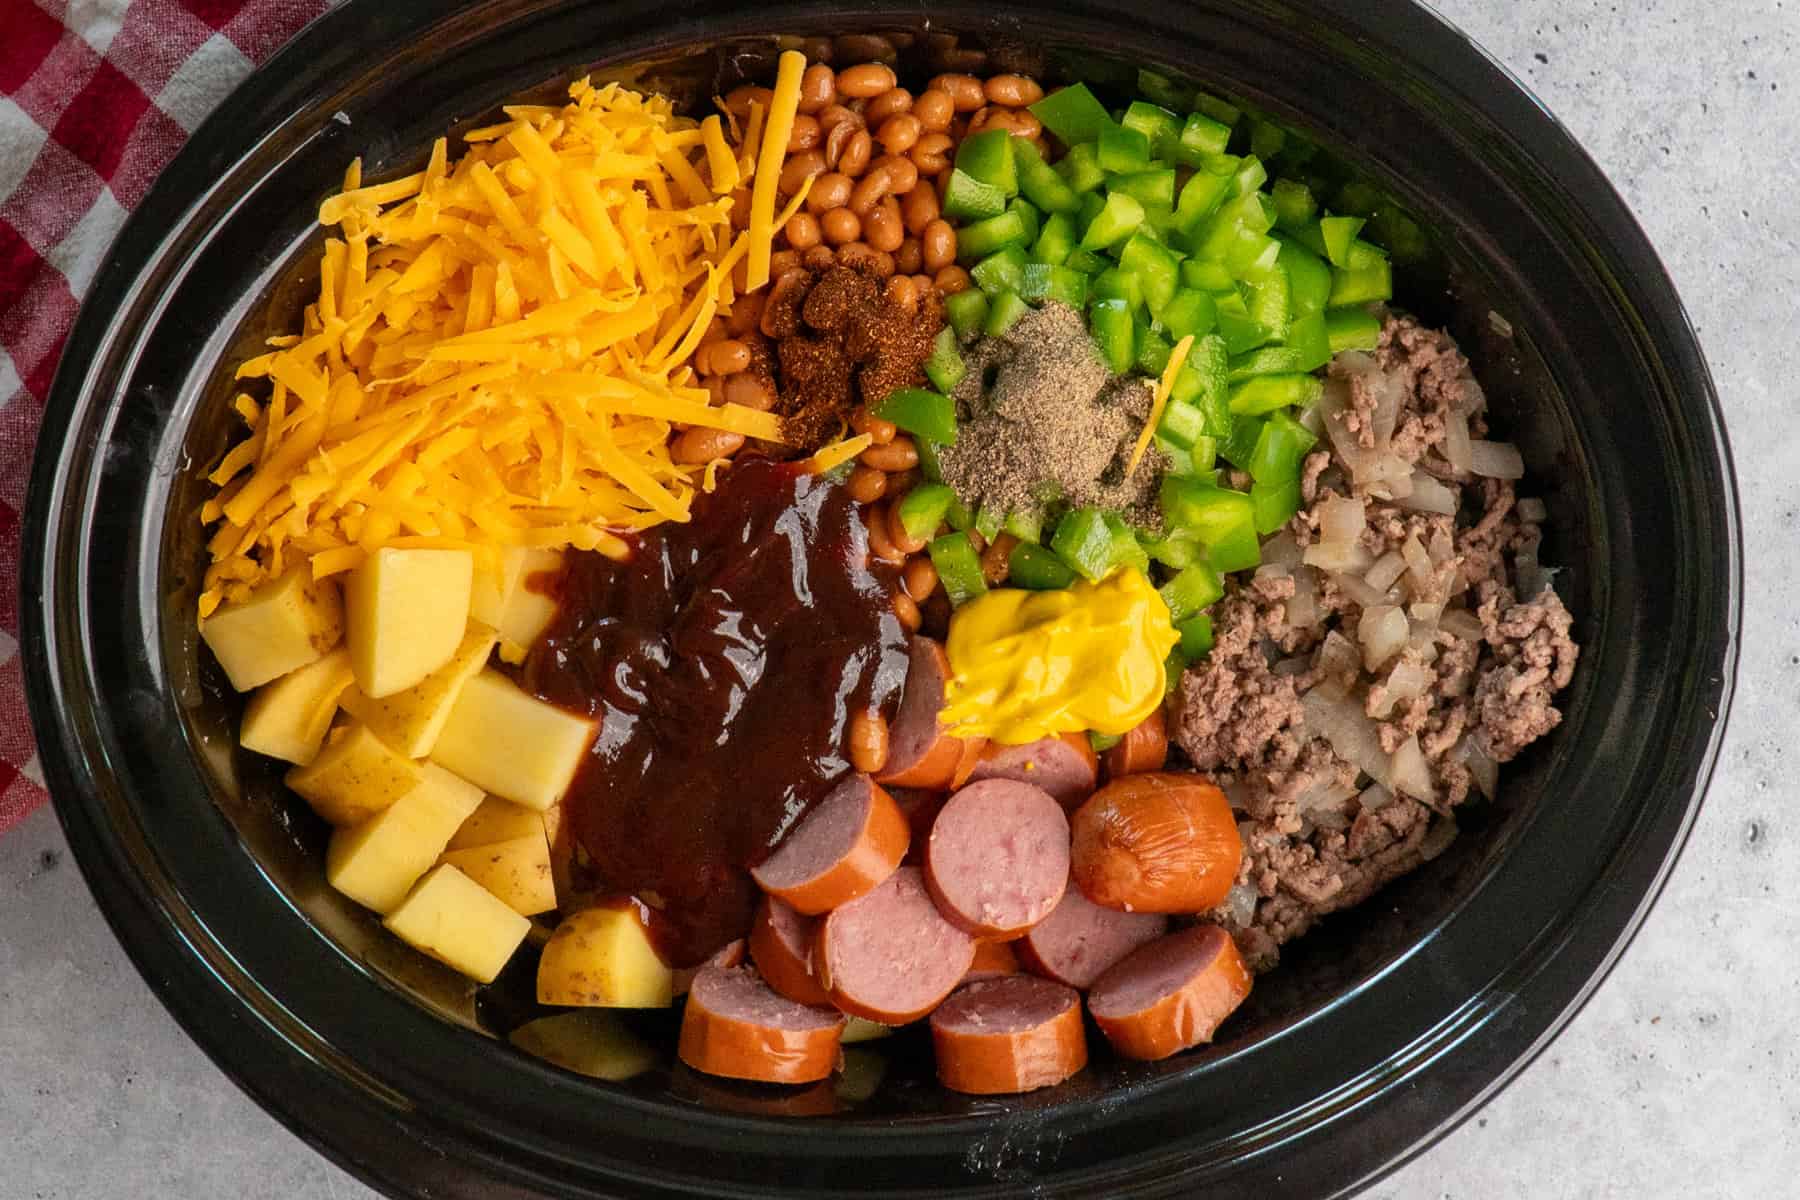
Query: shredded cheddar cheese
x,y
777,128
1165,385
497,352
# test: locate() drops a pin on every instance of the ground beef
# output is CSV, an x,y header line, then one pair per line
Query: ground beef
x,y
1473,686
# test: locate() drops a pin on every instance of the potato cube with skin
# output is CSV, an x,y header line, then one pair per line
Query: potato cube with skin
x,y
411,720
528,611
456,921
288,718
283,626
589,1042
377,862
495,583
498,820
602,958
517,871
405,614
354,776
512,744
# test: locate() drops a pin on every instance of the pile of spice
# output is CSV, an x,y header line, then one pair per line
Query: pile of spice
x,y
1041,418
844,336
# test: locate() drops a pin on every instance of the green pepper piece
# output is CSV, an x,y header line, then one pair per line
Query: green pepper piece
x,y
960,517
1157,269
1127,551
1337,234
1192,589
1057,239
1044,282
1237,327
1294,203
1246,429
1210,277
1039,183
975,242
1072,114
1026,524
929,466
1201,197
1153,188
1084,542
1100,743
1117,219
1268,302
1251,175
945,367
1027,212
1359,285
1031,566
1307,339
923,509
1275,504
1222,111
1160,89
988,157
1189,311
1266,393
1159,126
1196,637
1153,350
1309,278
987,522
1001,271
1005,312
1200,136
1209,513
1109,320
1203,383
1352,329
1202,456
1237,550
1280,449
1177,551
958,566
1123,150
1266,138
1181,424
1085,261
969,199
1080,168
966,310
1115,283
927,414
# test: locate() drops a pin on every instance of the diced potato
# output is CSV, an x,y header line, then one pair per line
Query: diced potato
x,y
354,776
495,583
411,720
498,820
602,958
517,871
528,612
453,919
284,625
590,1042
288,717
376,862
512,744
405,613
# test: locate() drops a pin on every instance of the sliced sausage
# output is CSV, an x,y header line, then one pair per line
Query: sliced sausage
x,y
781,942
1157,842
992,960
891,956
1171,993
1145,747
998,858
1065,766
851,841
1013,1034
731,954
1080,940
921,809
920,753
737,1026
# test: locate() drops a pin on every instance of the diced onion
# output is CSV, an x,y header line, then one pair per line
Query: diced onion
x,y
1374,798
1313,420
1338,656
1240,905
1334,406
1340,722
1425,612
1531,510
1359,591
1341,520
1428,495
1456,442
1461,623
1347,557
1437,839
1383,632
1303,605
1407,681
1482,768
1282,550
1418,565
1496,460
1410,773
1386,570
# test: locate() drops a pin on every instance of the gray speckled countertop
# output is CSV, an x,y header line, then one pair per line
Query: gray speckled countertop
x,y
1681,1077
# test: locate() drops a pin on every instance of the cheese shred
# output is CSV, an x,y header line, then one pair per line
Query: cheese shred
x,y
1165,385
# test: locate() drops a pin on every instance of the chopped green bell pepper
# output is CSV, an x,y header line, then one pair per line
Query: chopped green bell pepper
x,y
1117,219
1109,320
1200,136
1122,149
1210,513
1201,196
1027,212
1210,277
1001,271
1309,278
1100,743
1189,311
929,415
1039,182
1222,111
1268,302
1237,327
1057,239
1280,449
945,368
1160,126
1116,283
1084,542
1031,566
1181,424
976,241
1026,524
1352,329
988,157
966,311
1275,504
1004,313
1307,339
929,466
1152,188
1080,168
988,521
1337,233
924,508
958,566
1178,551
1044,282
1196,637
969,199
1359,285
1266,138
1246,430
1085,261
1294,203
1237,550
1158,271
1266,393
1072,114
1160,89
1192,589
1153,350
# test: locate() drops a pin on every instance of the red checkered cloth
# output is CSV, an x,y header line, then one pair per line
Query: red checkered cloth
x,y
95,96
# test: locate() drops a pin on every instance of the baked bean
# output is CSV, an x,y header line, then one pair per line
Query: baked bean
x,y
965,91
902,293
898,455
799,168
979,119
1017,122
818,88
818,258
901,38
902,175
880,545
883,229
920,577
896,100
898,133
919,208
909,258
931,153
840,226
996,560
936,610
934,109
1014,91
902,482
963,59
924,283
745,312
750,391
908,612
803,231
859,148
833,115
703,445
938,242
903,541
830,190
783,260
816,49
866,81
868,738
781,306
740,208
883,264
951,280
976,540
857,254
880,432
738,99
866,484
869,192
715,385
731,356
805,134
861,47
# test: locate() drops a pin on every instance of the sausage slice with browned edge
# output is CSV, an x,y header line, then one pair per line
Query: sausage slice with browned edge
x,y
1012,1034
998,858
921,754
1145,747
1170,994
781,943
1064,765
1080,940
1163,841
992,960
729,955
891,956
851,841
737,1026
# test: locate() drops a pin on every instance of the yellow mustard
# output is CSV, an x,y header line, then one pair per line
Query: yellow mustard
x,y
1026,665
